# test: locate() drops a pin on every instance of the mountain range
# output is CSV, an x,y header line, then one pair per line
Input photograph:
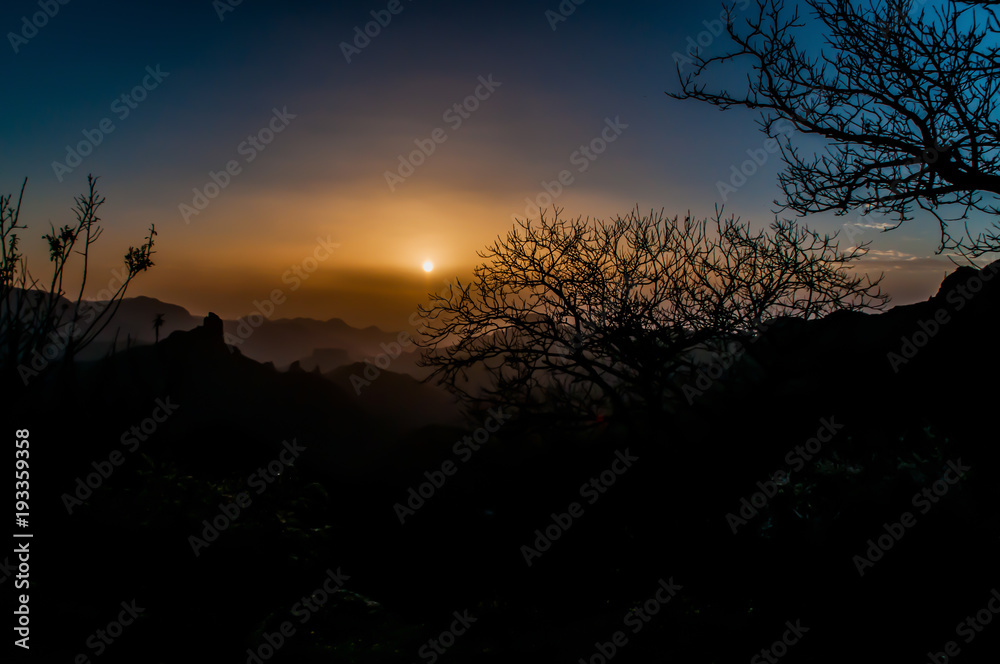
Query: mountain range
x,y
859,413
313,343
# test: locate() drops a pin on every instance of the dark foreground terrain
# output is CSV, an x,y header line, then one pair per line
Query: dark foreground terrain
x,y
831,496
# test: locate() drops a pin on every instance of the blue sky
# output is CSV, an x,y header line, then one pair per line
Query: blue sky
x,y
322,177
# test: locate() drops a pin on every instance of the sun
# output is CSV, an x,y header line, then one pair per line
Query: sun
x,y
428,266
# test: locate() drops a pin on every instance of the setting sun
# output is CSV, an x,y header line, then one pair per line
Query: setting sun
x,y
253,280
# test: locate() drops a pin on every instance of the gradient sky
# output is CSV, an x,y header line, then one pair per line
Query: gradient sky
x,y
323,175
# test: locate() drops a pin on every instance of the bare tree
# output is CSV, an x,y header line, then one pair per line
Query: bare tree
x,y
907,100
39,327
598,316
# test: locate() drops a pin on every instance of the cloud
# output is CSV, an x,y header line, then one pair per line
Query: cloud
x,y
879,225
891,255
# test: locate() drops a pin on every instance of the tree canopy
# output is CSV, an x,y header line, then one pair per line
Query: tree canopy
x,y
588,315
905,93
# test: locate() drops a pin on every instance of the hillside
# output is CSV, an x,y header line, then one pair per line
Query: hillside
x,y
281,341
882,431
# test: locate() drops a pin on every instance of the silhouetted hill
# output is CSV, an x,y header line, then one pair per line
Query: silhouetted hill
x,y
327,344
325,359
894,426
284,341
397,397
133,321
933,359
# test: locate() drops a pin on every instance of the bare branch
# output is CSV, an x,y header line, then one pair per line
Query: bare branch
x,y
601,316
906,99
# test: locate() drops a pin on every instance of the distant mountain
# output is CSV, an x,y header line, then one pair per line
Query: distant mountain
x,y
326,344
134,320
197,366
325,359
284,341
791,471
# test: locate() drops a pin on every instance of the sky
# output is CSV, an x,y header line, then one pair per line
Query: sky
x,y
277,147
